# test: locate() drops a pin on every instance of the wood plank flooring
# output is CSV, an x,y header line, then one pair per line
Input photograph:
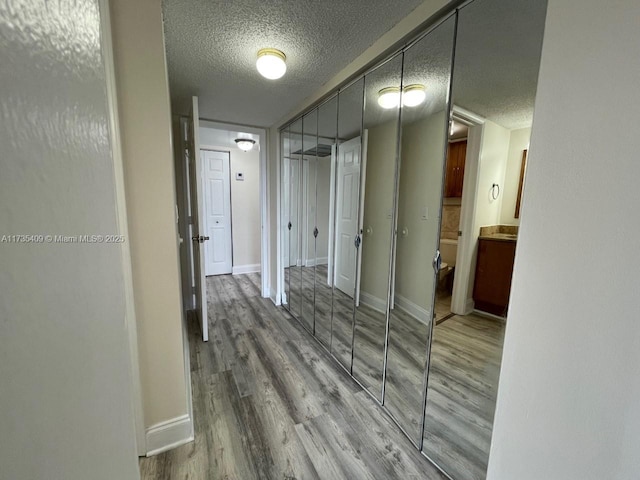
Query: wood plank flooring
x,y
270,403
461,398
465,363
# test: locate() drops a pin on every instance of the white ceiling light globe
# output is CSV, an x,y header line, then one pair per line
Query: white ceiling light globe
x,y
271,63
389,97
413,95
245,144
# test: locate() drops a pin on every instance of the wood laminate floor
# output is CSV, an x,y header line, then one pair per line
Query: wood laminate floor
x,y
465,363
270,403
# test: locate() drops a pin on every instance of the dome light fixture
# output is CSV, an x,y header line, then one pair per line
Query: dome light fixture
x,y
245,144
389,97
413,95
271,63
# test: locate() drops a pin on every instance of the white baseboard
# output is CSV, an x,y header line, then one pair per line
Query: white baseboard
x,y
170,434
373,302
240,269
317,261
416,311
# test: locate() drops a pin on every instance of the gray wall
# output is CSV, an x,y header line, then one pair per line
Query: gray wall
x,y
65,387
569,397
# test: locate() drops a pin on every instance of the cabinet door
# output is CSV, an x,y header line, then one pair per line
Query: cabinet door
x,y
456,155
493,276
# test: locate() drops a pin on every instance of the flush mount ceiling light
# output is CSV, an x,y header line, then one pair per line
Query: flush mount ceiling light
x,y
271,63
413,95
245,144
389,97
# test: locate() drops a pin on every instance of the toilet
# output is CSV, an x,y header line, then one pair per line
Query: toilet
x,y
448,251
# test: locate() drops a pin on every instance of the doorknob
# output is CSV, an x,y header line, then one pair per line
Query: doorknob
x,y
199,238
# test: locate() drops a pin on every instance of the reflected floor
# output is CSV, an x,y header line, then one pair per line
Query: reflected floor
x,y
463,384
270,403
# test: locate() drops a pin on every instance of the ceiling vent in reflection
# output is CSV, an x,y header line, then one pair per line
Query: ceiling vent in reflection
x,y
321,151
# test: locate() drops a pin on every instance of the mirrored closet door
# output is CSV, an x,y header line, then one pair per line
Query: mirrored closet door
x,y
325,192
425,121
347,179
295,219
308,216
376,221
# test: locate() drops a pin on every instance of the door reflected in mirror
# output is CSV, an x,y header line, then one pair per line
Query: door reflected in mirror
x,y
347,173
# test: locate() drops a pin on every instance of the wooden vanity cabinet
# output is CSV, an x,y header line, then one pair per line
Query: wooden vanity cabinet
x,y
494,269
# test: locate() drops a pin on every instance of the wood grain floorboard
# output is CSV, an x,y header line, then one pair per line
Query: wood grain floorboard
x,y
270,403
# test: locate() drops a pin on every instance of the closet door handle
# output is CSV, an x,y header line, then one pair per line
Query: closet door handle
x,y
357,241
437,262
289,226
315,232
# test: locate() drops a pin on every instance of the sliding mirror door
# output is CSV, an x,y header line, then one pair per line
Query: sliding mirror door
x,y
325,194
295,218
286,213
494,83
376,221
348,172
308,225
426,80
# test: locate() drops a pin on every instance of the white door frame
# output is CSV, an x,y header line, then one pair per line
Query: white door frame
x,y
264,214
461,297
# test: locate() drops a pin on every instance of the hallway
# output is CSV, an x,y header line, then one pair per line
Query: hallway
x,y
269,402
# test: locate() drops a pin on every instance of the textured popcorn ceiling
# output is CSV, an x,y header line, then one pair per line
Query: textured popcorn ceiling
x,y
497,59
212,47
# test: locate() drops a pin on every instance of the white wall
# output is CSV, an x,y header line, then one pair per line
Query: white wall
x,y
569,397
378,207
518,142
245,200
65,387
420,187
245,208
145,121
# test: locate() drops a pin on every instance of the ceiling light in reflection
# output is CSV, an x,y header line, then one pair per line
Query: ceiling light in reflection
x,y
389,97
245,144
413,95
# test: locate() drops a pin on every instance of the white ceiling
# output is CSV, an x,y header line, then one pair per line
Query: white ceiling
x,y
212,46
217,137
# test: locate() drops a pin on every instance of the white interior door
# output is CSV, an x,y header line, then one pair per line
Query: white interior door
x,y
197,218
347,214
217,209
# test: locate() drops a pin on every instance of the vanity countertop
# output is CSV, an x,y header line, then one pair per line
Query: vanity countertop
x,y
503,233
501,237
